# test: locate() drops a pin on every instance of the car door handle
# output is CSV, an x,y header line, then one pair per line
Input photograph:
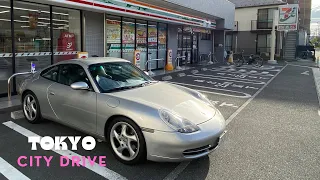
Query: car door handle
x,y
52,93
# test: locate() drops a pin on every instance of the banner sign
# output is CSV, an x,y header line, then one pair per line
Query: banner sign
x,y
288,17
136,60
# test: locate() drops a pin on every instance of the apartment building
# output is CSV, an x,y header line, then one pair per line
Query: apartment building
x,y
252,27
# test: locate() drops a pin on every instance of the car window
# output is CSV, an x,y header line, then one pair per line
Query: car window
x,y
71,73
51,73
116,76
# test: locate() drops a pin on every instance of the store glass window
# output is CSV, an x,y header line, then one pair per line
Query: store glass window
x,y
162,44
66,33
113,35
152,44
128,39
32,36
5,45
141,42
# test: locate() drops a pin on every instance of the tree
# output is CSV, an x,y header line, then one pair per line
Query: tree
x,y
315,41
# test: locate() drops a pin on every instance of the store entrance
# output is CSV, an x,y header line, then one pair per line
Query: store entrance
x,y
188,45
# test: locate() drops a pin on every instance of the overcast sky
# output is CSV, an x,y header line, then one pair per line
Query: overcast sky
x,y
315,3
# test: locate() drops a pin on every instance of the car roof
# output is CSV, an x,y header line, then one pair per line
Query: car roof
x,y
93,60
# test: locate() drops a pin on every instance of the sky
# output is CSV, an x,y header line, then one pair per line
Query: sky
x,y
315,3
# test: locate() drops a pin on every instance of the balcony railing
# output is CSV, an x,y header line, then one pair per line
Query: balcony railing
x,y
257,25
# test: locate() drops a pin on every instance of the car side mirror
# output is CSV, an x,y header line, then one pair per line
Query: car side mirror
x,y
80,86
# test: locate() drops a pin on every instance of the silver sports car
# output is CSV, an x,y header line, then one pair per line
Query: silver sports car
x,y
115,101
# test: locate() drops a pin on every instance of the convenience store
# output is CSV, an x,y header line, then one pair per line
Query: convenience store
x,y
49,31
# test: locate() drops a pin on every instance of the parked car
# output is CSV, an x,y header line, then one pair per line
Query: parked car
x,y
115,101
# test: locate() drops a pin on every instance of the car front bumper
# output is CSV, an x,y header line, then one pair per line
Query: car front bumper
x,y
176,147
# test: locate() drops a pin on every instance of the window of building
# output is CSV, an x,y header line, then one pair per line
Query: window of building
x,y
128,39
265,18
162,44
141,42
152,43
264,43
66,33
32,36
205,36
5,45
113,36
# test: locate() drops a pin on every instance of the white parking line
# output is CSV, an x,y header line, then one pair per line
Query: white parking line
x,y
210,92
241,72
229,120
103,171
11,172
248,81
182,166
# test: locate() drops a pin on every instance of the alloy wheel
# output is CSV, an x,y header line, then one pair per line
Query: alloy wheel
x,y
30,107
124,141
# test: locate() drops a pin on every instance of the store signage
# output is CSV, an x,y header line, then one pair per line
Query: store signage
x,y
169,66
147,10
288,17
136,60
82,55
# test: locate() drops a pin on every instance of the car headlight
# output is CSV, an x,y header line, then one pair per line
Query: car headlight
x,y
177,122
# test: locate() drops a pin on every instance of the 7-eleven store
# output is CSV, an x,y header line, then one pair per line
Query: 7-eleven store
x,y
49,31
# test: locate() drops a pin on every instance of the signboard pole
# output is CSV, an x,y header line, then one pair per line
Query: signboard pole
x,y
273,38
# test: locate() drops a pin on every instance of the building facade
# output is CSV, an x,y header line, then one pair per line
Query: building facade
x,y
252,27
49,31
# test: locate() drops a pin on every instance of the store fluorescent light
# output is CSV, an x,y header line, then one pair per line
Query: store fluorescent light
x,y
1,12
47,19
33,10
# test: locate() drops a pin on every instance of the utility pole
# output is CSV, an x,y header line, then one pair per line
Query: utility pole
x,y
273,37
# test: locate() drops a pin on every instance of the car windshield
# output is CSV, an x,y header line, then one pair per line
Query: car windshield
x,y
117,76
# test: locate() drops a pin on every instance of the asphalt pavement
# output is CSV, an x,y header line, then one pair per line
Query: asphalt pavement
x,y
272,132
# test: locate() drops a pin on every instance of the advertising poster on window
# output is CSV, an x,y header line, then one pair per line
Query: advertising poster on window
x,y
113,31
152,35
288,17
141,34
162,35
128,34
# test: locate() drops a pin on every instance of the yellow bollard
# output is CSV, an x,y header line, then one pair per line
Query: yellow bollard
x,y
230,60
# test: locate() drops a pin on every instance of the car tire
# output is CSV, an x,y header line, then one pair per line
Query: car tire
x,y
120,144
31,108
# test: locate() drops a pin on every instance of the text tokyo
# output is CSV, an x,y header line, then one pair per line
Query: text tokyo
x,y
57,143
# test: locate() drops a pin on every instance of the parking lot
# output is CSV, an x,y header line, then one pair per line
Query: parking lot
x,y
227,87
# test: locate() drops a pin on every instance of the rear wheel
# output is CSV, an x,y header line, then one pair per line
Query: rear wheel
x,y
238,60
127,141
258,62
31,108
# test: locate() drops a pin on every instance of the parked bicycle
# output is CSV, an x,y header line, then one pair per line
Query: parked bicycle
x,y
254,60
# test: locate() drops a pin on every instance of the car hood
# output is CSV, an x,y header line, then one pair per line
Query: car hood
x,y
164,95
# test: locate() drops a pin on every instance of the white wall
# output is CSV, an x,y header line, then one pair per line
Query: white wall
x,y
244,16
219,8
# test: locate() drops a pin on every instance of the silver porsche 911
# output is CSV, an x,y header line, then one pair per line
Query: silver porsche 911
x,y
113,100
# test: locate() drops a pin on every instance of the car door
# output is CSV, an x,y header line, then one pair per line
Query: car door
x,y
73,107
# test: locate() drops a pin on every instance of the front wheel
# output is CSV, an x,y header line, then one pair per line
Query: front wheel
x,y
258,62
127,141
